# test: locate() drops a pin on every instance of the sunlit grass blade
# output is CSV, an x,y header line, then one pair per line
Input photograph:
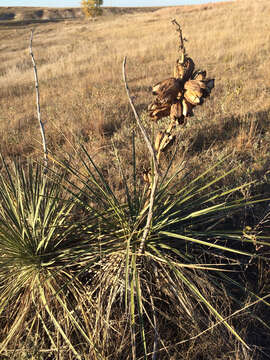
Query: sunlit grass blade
x,y
140,311
195,290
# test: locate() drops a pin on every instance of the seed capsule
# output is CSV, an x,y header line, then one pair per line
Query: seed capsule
x,y
196,86
176,113
187,108
183,69
158,111
199,75
167,90
192,97
209,85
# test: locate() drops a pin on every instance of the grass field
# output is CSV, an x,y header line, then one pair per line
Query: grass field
x,y
83,97
83,102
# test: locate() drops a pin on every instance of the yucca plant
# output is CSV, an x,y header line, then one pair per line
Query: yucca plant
x,y
88,274
74,282
151,303
39,292
157,265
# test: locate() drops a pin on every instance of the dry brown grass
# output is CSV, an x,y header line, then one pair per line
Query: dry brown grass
x,y
83,97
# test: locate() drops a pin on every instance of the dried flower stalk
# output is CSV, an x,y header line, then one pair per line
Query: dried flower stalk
x,y
177,96
41,123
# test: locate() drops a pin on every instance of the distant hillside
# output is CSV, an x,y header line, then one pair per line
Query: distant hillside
x,y
28,15
35,14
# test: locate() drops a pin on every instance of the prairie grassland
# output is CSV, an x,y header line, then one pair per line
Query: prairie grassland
x,y
82,94
83,101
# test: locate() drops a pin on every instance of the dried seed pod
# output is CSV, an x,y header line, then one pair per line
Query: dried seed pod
x,y
183,69
176,113
167,90
195,86
187,108
209,85
158,111
194,91
179,95
192,97
167,142
155,105
199,75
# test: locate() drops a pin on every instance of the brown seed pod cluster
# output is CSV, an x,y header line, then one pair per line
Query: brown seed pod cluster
x,y
177,96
